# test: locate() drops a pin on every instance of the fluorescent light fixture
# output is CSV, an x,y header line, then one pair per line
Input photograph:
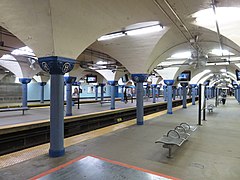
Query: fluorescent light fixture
x,y
220,52
224,74
223,70
207,71
217,63
101,62
144,30
23,51
182,55
111,36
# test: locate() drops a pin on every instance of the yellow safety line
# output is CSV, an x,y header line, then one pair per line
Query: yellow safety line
x,y
29,153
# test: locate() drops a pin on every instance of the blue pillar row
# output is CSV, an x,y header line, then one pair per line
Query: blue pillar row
x,y
42,84
101,91
139,79
57,67
193,93
165,93
69,80
169,84
154,86
96,92
113,85
184,101
24,82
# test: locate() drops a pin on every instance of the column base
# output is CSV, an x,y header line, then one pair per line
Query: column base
x,y
70,114
56,153
112,108
169,112
193,104
140,123
184,107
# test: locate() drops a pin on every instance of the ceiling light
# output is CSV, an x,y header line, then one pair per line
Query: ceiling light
x,y
217,63
144,30
111,36
23,51
223,70
182,55
101,62
220,52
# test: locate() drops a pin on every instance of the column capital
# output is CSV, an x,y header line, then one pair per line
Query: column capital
x,y
193,85
25,80
56,64
140,77
168,82
69,79
42,83
184,84
112,83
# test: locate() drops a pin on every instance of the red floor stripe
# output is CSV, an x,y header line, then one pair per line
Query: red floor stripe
x,y
104,159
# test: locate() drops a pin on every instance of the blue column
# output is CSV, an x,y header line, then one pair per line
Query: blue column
x,y
154,92
238,94
102,93
122,90
113,85
57,67
139,79
96,92
165,93
180,92
184,101
69,80
193,93
42,84
158,91
24,82
174,92
169,84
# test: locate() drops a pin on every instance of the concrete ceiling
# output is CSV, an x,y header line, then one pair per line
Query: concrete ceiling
x,y
64,28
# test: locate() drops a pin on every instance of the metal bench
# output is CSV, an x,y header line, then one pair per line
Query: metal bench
x,y
177,137
15,109
171,139
188,128
210,107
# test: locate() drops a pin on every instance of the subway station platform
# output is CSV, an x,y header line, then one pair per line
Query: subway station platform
x,y
212,151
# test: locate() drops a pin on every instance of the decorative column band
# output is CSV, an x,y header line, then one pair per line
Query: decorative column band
x,y
168,82
193,85
42,83
112,83
56,64
69,79
25,80
140,77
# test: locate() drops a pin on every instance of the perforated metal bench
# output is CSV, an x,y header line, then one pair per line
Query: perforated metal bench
x,y
210,107
15,109
171,139
176,137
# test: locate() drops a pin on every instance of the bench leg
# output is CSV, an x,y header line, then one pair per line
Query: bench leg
x,y
169,147
23,112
